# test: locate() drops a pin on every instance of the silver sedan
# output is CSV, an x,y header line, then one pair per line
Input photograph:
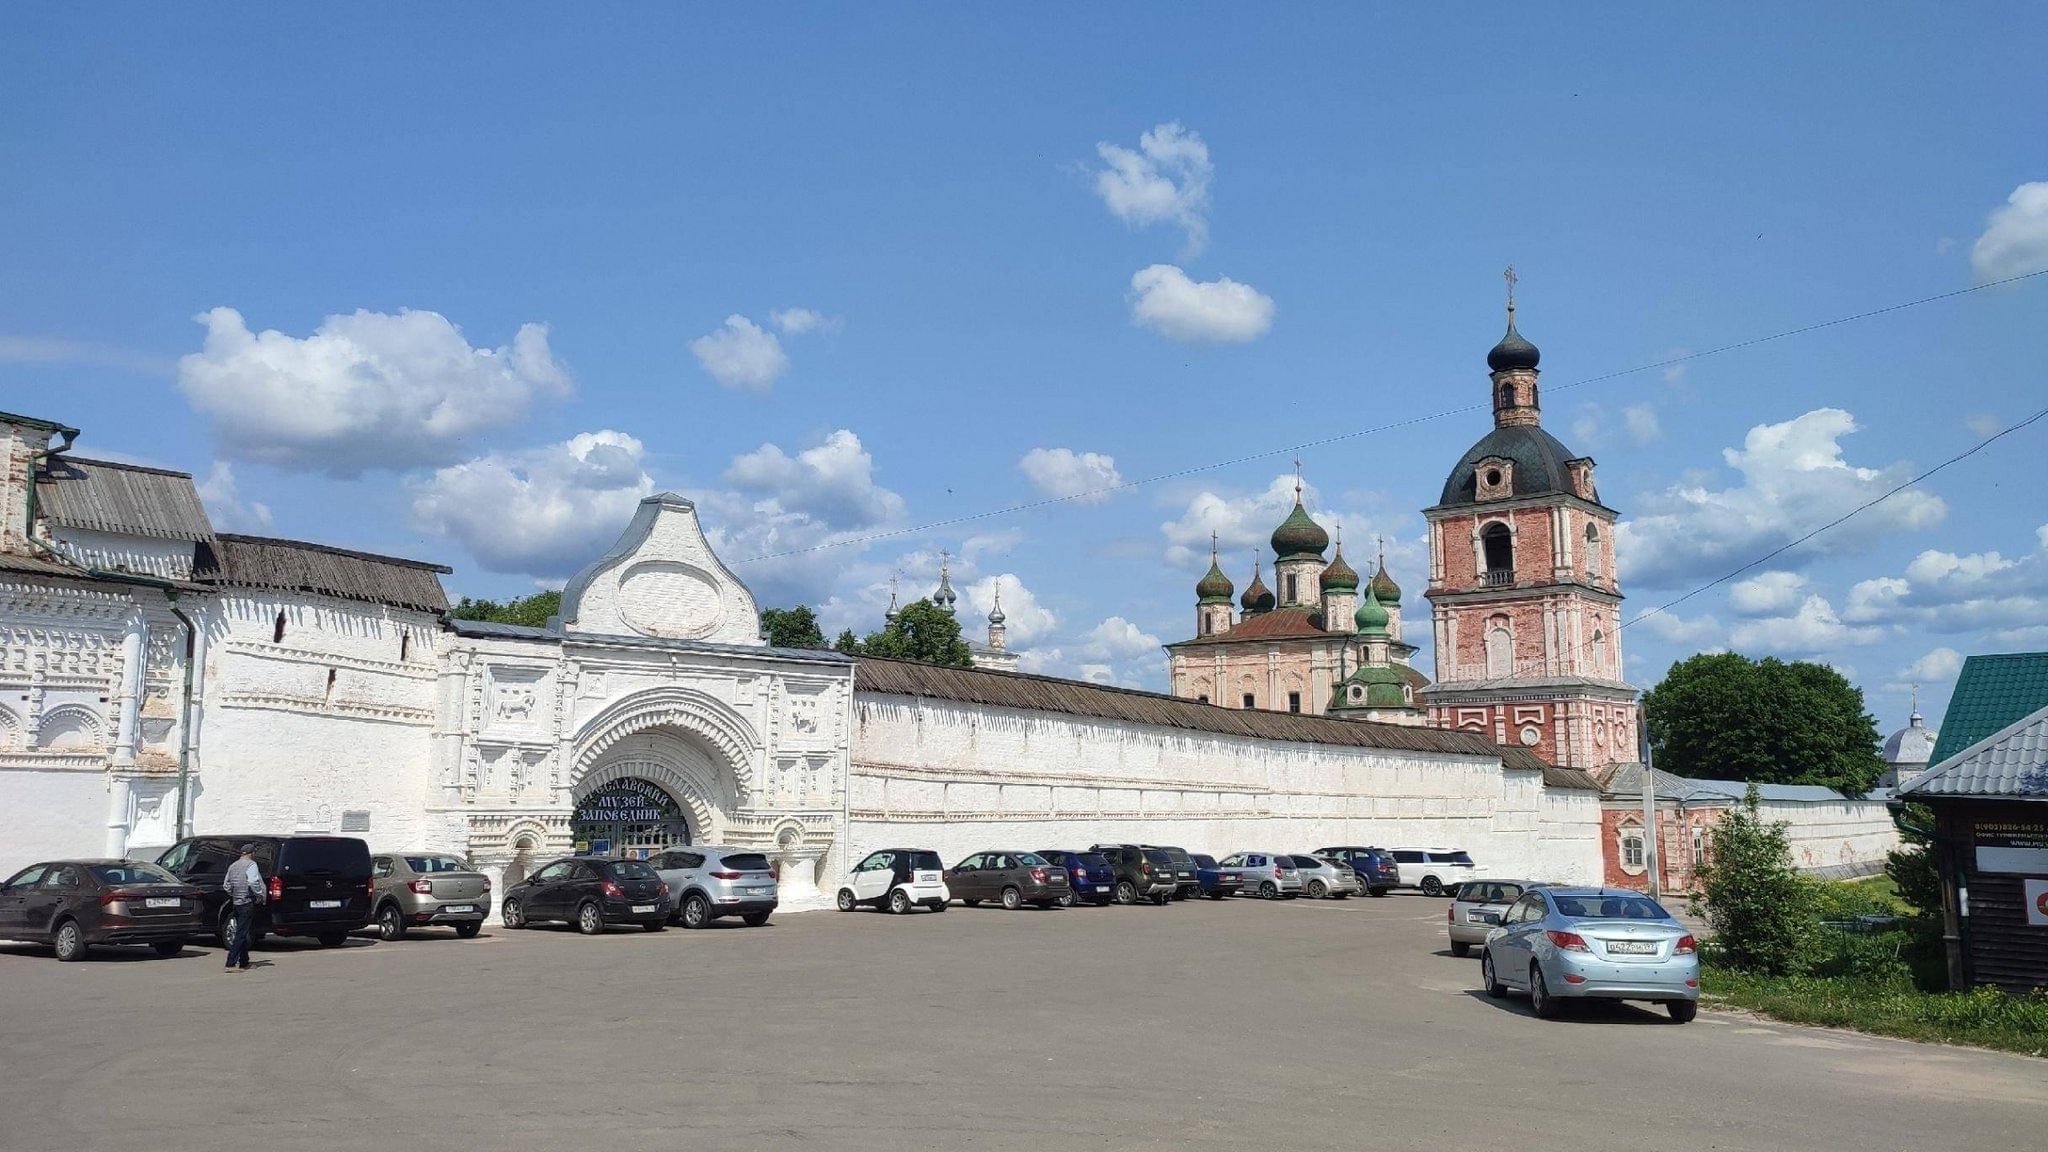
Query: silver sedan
x,y
1561,944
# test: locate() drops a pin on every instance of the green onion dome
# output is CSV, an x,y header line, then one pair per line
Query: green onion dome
x,y
1339,576
1299,536
1371,617
1383,586
1215,588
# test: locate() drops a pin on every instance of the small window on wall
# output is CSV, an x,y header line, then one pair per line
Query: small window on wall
x,y
1294,701
404,646
1248,701
1631,850
1293,588
277,628
1592,550
1202,699
1699,846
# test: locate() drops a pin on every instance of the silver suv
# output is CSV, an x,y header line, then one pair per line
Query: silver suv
x,y
423,889
710,881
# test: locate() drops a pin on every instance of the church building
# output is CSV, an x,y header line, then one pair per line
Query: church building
x,y
1523,587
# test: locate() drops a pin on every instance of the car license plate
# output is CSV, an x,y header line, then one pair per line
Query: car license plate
x,y
638,909
324,904
1102,887
1478,918
1631,947
163,902
460,908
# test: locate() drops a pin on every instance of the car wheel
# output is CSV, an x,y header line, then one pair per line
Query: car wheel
x,y
1460,949
938,905
1216,895
1066,901
1163,899
70,941
514,914
1539,994
391,923
1269,891
1126,892
1494,987
224,927
1012,899
696,911
1682,1011
589,918
469,931
1317,889
655,925
332,939
1378,891
846,899
754,919
972,901
1431,886
168,947
899,901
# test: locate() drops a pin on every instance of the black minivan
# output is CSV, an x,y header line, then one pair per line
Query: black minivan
x,y
318,886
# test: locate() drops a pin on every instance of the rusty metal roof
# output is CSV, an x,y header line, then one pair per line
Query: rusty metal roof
x,y
122,499
297,566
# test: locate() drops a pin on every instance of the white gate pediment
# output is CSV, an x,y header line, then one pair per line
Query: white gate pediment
x,y
662,581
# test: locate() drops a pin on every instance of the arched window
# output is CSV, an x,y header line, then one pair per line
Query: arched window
x,y
1699,846
1500,649
1293,588
277,628
1499,547
1599,648
1632,849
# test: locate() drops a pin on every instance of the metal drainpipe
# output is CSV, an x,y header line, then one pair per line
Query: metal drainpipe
x,y
183,821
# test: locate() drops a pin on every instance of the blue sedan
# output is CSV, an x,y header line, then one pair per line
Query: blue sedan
x,y
1560,944
1090,879
1215,880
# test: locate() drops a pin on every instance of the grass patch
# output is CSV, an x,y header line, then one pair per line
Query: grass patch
x,y
1984,1017
1879,890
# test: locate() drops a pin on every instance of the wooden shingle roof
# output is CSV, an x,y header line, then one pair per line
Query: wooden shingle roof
x,y
296,566
122,499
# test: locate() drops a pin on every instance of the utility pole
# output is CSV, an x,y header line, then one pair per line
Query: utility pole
x,y
1649,805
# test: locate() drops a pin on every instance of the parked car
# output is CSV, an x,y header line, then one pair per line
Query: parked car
x,y
1267,875
1375,867
318,886
1216,880
708,881
1090,879
898,879
1322,878
75,904
1138,875
1560,944
1434,870
1015,878
422,889
1476,909
1186,884
593,893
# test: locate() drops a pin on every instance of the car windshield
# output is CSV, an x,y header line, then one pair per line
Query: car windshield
x,y
926,861
1609,908
134,873
330,855
436,864
747,862
1484,892
633,870
1205,861
1450,857
1094,859
1158,857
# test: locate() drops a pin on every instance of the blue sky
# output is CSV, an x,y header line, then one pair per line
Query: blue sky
x,y
468,283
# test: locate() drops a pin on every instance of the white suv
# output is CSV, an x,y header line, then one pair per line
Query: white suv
x,y
1434,870
898,879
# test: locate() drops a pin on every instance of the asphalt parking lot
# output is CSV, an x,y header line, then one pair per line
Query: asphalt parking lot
x,y
1293,1025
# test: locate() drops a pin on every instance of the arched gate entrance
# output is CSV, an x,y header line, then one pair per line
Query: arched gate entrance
x,y
628,816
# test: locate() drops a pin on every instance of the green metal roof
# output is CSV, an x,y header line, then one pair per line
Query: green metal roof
x,y
1992,694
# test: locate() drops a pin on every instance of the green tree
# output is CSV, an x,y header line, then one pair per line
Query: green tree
x,y
792,627
532,611
1758,904
921,631
847,642
1725,716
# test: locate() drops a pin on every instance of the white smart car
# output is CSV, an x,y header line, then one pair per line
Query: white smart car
x,y
898,879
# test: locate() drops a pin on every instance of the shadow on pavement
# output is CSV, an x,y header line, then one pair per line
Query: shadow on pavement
x,y
1582,1012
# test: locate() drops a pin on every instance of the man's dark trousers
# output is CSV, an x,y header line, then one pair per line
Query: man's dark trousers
x,y
244,923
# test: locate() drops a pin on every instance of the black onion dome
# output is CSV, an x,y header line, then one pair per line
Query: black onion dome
x,y
1299,535
1257,597
1512,352
1215,587
1538,458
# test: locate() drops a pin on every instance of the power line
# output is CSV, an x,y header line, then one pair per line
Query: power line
x,y
1325,441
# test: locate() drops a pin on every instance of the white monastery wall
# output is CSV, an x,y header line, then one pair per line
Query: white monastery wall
x,y
143,555
958,777
1851,835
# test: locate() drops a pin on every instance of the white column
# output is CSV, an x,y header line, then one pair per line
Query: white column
x,y
128,697
117,818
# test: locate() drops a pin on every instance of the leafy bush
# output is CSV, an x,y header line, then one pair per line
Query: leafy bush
x,y
1761,910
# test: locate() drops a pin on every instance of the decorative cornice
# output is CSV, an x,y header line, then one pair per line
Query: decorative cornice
x,y
289,654
280,702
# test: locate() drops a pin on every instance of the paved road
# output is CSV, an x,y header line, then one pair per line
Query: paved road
x,y
1281,1026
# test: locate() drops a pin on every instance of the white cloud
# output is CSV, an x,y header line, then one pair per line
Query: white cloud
x,y
1220,311
798,321
1063,472
543,512
1698,632
1813,630
741,354
224,505
1984,425
2015,239
1166,180
1117,639
1640,422
1767,593
1937,666
367,390
1794,478
2003,600
1025,620
832,481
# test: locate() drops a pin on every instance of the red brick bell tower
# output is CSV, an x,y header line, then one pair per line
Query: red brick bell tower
x,y
1522,586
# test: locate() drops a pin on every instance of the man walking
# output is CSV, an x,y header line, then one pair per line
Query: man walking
x,y
244,884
